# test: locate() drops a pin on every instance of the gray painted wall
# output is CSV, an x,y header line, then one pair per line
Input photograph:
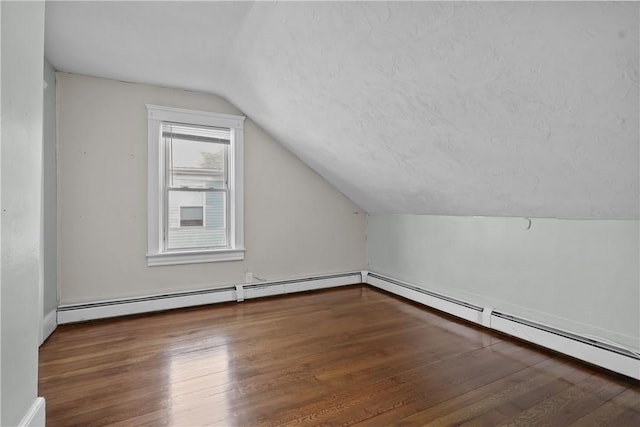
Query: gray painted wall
x,y
21,191
296,224
50,206
577,275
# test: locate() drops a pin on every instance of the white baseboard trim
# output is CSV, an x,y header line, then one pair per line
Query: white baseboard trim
x,y
114,308
597,353
238,292
35,416
265,289
452,306
49,324
601,354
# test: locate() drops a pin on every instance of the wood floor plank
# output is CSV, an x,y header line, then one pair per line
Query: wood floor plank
x,y
621,406
346,356
433,383
568,405
483,399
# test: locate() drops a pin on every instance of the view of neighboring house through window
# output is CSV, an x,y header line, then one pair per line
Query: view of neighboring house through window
x,y
197,190
195,204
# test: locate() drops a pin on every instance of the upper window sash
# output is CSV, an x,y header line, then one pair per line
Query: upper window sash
x,y
189,174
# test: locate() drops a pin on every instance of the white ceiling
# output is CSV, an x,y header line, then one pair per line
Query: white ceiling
x,y
506,109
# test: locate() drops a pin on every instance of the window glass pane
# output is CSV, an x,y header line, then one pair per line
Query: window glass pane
x,y
197,156
197,164
196,219
205,156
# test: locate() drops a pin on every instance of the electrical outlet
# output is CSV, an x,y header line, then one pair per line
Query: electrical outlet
x,y
248,277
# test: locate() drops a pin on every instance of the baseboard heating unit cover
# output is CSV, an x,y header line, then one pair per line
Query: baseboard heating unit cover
x,y
236,292
606,355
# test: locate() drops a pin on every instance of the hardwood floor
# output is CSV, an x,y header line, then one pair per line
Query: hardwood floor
x,y
337,357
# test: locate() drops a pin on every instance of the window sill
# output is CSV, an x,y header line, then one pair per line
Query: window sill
x,y
194,257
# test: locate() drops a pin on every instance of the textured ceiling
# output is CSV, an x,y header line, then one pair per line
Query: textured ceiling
x,y
506,109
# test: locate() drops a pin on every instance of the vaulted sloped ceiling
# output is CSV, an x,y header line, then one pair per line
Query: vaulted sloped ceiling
x,y
506,109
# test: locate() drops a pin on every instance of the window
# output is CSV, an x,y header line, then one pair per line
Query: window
x,y
195,198
191,216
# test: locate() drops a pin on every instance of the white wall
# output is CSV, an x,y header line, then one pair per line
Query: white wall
x,y
577,275
21,184
296,224
50,277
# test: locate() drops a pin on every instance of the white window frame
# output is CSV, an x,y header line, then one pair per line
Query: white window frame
x,y
156,254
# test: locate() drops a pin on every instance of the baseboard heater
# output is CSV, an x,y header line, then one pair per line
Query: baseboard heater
x,y
568,335
612,357
238,292
596,352
456,307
